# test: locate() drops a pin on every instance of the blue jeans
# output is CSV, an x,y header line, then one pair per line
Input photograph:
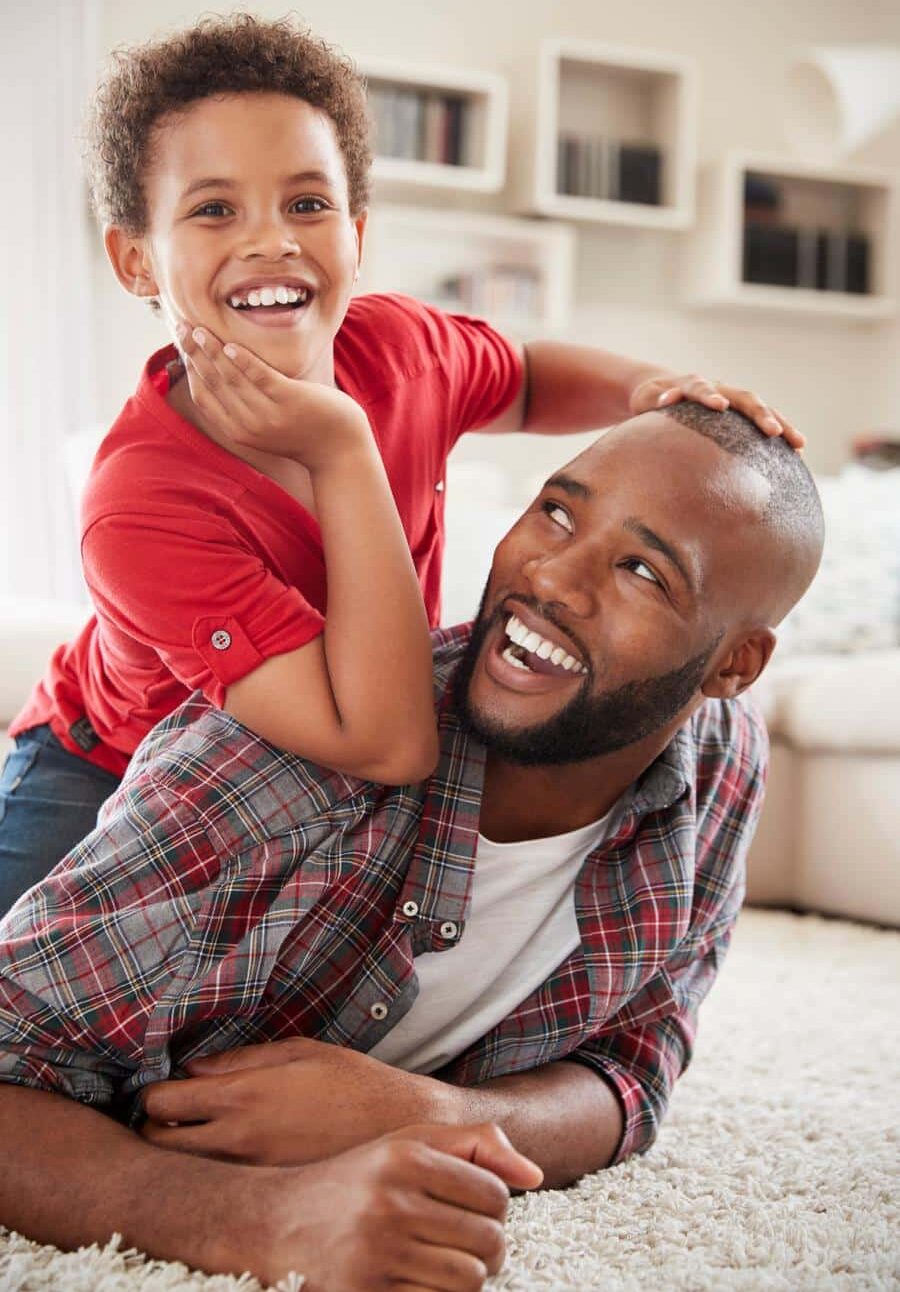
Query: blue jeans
x,y
49,801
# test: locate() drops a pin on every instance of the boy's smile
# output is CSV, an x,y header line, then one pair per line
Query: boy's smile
x,y
250,234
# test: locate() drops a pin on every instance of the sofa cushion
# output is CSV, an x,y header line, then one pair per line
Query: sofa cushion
x,y
835,702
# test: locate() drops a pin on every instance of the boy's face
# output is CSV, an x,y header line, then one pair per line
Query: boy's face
x,y
249,193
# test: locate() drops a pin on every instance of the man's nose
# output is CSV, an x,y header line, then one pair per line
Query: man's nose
x,y
562,579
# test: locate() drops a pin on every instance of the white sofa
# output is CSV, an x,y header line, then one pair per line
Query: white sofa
x,y
829,838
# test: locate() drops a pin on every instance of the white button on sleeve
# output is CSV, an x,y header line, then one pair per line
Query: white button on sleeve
x,y
379,1010
221,639
410,908
449,930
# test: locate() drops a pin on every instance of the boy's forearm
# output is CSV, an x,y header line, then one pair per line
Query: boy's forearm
x,y
376,636
73,1176
580,388
563,1116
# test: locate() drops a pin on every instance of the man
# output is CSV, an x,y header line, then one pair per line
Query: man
x,y
522,940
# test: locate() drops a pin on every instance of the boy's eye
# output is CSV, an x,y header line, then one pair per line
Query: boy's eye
x,y
211,208
558,515
311,204
642,570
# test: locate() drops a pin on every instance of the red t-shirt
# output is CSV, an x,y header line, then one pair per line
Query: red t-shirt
x,y
200,567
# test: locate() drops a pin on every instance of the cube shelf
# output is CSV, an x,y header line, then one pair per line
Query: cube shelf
x,y
607,134
437,127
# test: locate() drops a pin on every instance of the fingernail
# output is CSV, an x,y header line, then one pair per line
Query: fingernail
x,y
199,336
231,350
667,394
775,425
181,329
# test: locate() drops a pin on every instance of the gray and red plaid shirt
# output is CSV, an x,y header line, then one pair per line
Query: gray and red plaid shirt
x,y
232,893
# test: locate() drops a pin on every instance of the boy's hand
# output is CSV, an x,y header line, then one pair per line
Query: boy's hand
x,y
254,405
659,392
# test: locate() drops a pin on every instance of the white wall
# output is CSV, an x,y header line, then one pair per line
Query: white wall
x,y
835,379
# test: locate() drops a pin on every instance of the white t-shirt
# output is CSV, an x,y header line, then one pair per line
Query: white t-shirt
x,y
521,926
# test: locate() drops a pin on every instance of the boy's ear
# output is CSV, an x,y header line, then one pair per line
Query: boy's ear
x,y
360,222
740,666
130,261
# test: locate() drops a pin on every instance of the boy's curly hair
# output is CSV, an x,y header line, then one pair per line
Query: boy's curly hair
x,y
234,55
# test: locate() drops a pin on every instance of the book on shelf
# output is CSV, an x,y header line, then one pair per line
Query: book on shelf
x,y
419,125
501,291
828,260
608,169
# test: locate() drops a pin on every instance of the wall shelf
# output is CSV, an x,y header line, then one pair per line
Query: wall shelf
x,y
517,273
792,225
437,127
606,134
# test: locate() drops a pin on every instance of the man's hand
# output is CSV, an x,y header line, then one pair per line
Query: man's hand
x,y
253,404
420,1210
289,1102
659,392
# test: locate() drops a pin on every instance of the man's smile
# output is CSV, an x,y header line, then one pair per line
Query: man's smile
x,y
525,652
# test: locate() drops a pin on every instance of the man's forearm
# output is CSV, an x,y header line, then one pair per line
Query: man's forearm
x,y
563,1116
579,388
73,1176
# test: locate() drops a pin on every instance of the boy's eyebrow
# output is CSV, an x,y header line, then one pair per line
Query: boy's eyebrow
x,y
214,181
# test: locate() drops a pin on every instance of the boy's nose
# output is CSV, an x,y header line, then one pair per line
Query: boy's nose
x,y
270,239
562,580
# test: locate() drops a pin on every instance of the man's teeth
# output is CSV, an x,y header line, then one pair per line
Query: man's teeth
x,y
533,644
279,295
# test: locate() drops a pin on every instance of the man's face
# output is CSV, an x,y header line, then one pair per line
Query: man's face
x,y
609,598
249,193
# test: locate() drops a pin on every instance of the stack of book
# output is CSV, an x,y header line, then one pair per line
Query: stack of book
x,y
609,169
817,259
499,291
781,254
419,125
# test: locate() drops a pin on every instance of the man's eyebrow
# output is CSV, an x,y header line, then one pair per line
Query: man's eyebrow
x,y
569,485
302,177
652,539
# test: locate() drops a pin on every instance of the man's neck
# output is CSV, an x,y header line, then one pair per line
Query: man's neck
x,y
537,802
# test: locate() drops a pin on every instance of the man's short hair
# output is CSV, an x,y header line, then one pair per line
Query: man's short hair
x,y
217,56
794,507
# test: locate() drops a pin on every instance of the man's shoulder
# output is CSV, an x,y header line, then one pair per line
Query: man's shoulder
x,y
448,646
730,749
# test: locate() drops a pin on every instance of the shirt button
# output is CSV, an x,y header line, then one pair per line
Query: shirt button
x,y
449,930
410,908
379,1010
221,639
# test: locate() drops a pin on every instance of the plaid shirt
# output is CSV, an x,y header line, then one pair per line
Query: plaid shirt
x,y
232,893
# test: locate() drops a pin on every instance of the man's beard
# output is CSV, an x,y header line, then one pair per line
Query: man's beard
x,y
589,725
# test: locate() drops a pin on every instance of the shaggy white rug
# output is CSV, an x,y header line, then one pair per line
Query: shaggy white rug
x,y
776,1170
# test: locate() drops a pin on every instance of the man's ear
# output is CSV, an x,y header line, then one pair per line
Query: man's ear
x,y
130,260
740,666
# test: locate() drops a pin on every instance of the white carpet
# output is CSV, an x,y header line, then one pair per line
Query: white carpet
x,y
776,1170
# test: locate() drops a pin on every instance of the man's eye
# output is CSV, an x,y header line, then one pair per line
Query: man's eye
x,y
642,570
211,208
558,515
311,204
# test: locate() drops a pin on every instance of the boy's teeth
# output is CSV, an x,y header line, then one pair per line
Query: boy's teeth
x,y
263,296
535,644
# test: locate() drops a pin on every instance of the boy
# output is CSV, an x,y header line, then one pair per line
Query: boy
x,y
230,170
